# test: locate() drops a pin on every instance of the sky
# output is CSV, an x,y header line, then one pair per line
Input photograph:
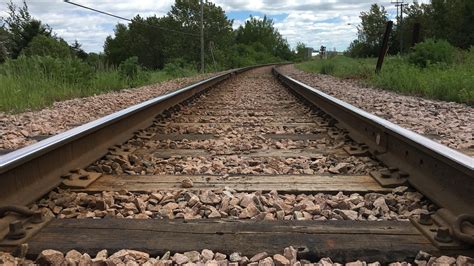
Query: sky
x,y
331,23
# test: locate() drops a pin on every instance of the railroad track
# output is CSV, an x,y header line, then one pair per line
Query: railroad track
x,y
249,161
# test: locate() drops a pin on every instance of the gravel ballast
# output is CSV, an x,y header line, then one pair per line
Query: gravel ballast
x,y
288,257
18,130
448,123
238,126
186,204
229,151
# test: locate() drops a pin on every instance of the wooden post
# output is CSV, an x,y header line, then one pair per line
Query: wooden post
x,y
384,49
416,34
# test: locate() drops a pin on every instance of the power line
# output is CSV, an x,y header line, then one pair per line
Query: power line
x,y
129,20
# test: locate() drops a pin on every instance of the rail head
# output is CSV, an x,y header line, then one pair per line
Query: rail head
x,y
424,142
444,175
28,173
17,157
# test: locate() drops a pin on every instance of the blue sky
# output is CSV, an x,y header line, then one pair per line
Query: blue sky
x,y
244,14
313,22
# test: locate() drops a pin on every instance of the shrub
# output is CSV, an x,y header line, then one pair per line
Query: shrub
x,y
42,45
179,68
431,52
129,68
358,49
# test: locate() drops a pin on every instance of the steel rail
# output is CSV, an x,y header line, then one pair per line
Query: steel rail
x,y
30,172
440,173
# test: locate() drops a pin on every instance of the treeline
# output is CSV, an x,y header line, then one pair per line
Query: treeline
x,y
451,21
37,67
174,38
23,35
155,41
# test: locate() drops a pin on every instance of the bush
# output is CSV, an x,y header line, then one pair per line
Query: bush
x,y
42,45
430,52
359,49
246,55
179,68
129,68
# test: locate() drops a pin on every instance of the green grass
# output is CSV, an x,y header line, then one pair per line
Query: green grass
x,y
31,85
449,83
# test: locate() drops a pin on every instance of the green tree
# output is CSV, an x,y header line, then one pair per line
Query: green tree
x,y
372,27
415,13
264,32
185,16
148,41
300,50
451,20
97,61
22,28
117,48
158,41
77,50
143,38
47,46
3,44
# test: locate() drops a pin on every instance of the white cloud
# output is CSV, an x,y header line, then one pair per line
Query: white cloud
x,y
314,22
89,28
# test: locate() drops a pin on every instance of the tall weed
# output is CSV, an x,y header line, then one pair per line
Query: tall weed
x,y
38,81
453,82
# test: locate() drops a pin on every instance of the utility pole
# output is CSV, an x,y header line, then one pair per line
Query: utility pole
x,y
399,3
202,36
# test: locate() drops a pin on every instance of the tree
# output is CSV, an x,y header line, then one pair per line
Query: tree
x,y
185,16
148,41
300,50
451,20
77,50
143,38
97,61
443,20
3,44
117,48
157,41
22,28
372,27
263,31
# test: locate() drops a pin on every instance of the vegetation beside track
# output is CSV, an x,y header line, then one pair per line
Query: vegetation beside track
x,y
37,67
430,54
29,83
448,82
